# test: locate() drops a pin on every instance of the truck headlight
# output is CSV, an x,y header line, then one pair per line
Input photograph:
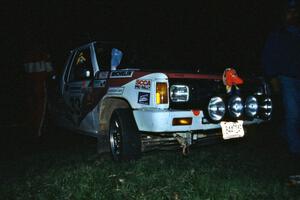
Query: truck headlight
x,y
251,106
235,106
179,93
216,108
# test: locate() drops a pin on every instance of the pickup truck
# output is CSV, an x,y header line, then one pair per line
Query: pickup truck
x,y
130,110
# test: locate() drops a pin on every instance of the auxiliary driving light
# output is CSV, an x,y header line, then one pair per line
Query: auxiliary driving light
x,y
235,106
251,106
216,108
265,108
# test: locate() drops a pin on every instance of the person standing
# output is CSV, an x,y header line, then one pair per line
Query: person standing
x,y
37,67
281,62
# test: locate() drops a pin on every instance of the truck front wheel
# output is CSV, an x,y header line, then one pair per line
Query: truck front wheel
x,y
124,139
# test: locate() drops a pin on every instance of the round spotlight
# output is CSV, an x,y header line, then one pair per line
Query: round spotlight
x,y
251,106
216,108
235,106
266,108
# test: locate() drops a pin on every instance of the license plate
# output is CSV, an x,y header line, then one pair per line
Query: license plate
x,y
232,129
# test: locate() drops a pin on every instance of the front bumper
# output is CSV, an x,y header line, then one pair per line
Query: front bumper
x,y
161,121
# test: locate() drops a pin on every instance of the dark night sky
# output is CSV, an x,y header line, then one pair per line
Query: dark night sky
x,y
209,33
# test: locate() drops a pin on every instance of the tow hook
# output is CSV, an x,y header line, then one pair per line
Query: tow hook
x,y
185,141
185,150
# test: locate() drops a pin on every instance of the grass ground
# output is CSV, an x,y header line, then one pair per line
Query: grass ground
x,y
67,167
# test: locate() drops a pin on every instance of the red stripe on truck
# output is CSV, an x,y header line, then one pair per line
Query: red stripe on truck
x,y
194,76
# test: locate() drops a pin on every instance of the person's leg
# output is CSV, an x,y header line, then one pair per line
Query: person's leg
x,y
39,103
290,125
291,119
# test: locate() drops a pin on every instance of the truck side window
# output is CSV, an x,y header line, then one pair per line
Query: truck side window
x,y
103,56
82,68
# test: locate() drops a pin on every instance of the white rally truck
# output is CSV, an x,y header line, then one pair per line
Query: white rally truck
x,y
131,110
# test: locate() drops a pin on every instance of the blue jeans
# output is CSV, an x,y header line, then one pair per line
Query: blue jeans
x,y
290,129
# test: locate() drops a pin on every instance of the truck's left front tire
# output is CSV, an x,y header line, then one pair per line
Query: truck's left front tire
x,y
124,139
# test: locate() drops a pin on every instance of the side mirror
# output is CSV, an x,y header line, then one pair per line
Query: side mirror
x,y
116,57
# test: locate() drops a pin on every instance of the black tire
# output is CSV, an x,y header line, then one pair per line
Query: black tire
x,y
124,139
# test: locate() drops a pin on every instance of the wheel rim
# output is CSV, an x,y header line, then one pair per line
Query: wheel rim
x,y
115,139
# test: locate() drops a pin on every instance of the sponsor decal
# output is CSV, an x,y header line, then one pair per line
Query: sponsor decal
x,y
121,74
103,75
143,84
99,83
83,84
115,91
81,59
144,98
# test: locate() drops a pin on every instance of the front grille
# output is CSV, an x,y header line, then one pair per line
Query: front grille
x,y
202,90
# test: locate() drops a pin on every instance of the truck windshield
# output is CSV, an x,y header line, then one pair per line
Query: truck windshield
x,y
135,56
